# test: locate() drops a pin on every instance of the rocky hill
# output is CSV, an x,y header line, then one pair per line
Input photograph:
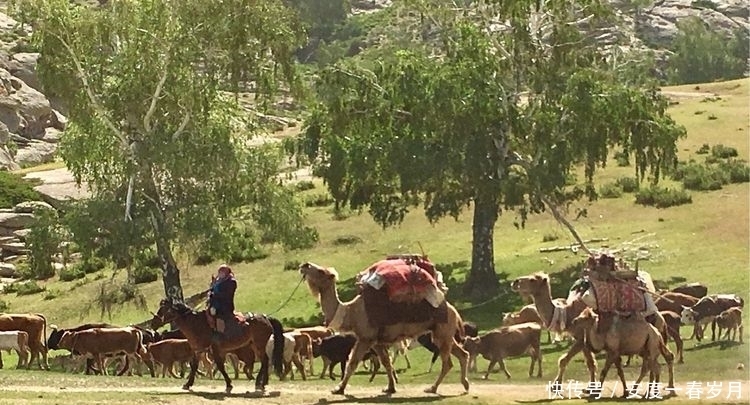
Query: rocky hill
x,y
30,127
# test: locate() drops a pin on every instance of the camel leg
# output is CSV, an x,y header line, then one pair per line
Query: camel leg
x,y
447,347
375,368
621,374
576,347
385,358
358,353
669,359
193,369
678,343
463,361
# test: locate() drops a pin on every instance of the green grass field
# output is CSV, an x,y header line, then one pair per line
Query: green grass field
x,y
706,241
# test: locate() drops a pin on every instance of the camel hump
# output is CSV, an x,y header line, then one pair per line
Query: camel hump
x,y
404,280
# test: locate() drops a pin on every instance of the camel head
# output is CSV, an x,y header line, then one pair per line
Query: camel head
x,y
532,284
318,277
586,320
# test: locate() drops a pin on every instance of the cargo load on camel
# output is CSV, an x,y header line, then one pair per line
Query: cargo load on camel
x,y
609,286
402,288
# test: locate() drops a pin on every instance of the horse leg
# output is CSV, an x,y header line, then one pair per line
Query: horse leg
x,y
261,380
219,363
358,353
193,370
385,358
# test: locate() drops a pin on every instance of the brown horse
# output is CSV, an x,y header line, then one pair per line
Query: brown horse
x,y
256,331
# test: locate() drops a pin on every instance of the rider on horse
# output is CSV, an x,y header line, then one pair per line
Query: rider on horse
x,y
221,300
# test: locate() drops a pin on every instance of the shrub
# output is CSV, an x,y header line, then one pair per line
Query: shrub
x,y
347,240
141,275
662,197
92,264
318,200
628,184
4,307
304,185
622,159
73,272
549,237
736,171
14,189
27,288
43,242
610,190
51,294
704,149
723,152
703,177
292,264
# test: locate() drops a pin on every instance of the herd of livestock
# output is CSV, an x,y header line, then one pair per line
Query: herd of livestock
x,y
92,346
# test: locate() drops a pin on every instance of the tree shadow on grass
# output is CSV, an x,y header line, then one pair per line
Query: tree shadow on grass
x,y
386,399
220,396
721,344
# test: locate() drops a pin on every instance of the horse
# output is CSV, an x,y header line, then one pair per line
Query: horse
x,y
255,333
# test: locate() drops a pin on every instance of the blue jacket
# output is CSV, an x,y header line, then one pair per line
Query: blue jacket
x,y
222,297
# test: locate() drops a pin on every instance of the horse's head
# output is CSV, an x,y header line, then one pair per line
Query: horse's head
x,y
168,311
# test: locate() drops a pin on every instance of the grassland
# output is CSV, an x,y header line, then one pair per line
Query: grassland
x,y
706,241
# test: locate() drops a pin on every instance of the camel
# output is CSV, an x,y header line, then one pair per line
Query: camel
x,y
537,286
630,336
351,317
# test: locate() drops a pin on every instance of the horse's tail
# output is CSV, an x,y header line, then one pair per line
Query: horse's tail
x,y
277,356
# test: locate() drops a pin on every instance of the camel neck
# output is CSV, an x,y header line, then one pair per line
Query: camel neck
x,y
329,302
543,302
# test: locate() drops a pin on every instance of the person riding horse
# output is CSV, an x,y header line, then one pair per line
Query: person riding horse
x,y
221,301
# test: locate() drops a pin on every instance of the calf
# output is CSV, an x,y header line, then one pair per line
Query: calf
x,y
289,355
98,342
731,320
707,308
425,339
167,352
335,350
675,302
313,333
696,290
508,341
17,340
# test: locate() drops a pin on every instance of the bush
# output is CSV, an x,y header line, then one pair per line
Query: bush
x,y
622,159
549,237
318,200
73,272
4,307
702,177
628,184
347,240
723,152
141,275
292,264
662,197
147,258
304,185
14,189
51,294
43,242
704,149
27,288
92,264
736,171
610,190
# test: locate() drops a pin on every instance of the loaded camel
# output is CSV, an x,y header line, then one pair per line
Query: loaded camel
x,y
630,336
352,317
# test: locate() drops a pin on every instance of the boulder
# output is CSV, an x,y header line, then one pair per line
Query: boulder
x,y
29,207
23,66
16,220
7,239
51,135
24,110
36,153
58,266
6,160
21,234
14,248
13,258
7,270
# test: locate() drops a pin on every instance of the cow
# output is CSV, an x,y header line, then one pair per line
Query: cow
x,y
313,332
98,342
17,340
425,339
675,302
731,320
696,290
508,341
35,325
53,343
290,355
168,351
708,307
335,350
673,321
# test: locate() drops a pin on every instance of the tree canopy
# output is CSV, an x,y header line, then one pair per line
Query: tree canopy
x,y
155,130
495,112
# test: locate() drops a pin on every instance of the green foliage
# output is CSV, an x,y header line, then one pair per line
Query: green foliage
x,y
24,288
704,149
622,159
696,176
51,294
702,55
292,265
112,296
318,200
141,275
737,171
43,242
144,83
549,237
14,189
4,307
347,240
610,190
628,184
71,273
723,152
304,185
662,197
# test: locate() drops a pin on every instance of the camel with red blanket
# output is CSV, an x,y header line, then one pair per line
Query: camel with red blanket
x,y
399,298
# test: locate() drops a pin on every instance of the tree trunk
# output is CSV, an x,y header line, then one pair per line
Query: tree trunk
x,y
482,282
170,272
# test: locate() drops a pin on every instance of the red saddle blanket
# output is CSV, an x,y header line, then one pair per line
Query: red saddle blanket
x,y
401,277
619,296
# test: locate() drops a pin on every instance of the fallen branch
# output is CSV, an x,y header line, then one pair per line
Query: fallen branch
x,y
572,246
